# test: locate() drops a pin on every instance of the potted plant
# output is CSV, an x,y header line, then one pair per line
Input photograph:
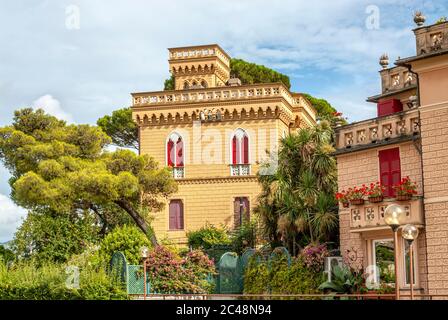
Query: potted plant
x,y
375,192
342,197
356,195
405,189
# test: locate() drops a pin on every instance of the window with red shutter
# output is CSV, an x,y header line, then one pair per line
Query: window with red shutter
x,y
169,151
240,147
245,149
234,146
175,151
241,208
390,169
176,215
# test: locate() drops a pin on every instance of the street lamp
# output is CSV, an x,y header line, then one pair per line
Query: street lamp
x,y
144,252
394,216
410,233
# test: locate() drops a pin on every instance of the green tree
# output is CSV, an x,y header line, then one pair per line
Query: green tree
x,y
6,255
127,239
50,236
169,84
250,73
66,169
121,128
297,203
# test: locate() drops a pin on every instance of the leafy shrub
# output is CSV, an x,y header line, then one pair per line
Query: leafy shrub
x,y
256,277
207,237
170,273
314,256
48,236
27,281
244,237
277,277
127,239
345,281
6,255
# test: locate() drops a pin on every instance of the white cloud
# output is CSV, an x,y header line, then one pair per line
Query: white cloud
x,y
10,218
53,107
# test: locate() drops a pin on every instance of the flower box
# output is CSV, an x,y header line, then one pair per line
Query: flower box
x,y
357,201
404,197
345,204
376,199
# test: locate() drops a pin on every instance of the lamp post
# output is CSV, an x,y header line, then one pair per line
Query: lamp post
x,y
394,215
144,254
410,233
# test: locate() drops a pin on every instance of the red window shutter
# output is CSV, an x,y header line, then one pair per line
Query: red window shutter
x,y
246,209
390,172
387,107
180,153
236,212
234,146
180,215
176,215
245,150
172,216
170,150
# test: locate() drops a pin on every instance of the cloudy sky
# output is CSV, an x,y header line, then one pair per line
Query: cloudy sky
x,y
80,59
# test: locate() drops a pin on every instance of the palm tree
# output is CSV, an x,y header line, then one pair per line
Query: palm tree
x,y
297,202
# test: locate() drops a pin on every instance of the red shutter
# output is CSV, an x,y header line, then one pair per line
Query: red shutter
x,y
390,172
176,215
245,150
236,212
169,150
180,153
172,216
246,209
387,107
234,145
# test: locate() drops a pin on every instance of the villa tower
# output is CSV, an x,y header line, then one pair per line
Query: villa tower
x,y
213,132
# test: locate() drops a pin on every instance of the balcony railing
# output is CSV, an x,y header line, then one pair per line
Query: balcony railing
x,y
178,172
397,78
378,130
371,215
240,169
432,38
212,95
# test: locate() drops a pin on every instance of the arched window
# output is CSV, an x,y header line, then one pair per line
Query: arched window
x,y
240,147
186,85
204,84
175,151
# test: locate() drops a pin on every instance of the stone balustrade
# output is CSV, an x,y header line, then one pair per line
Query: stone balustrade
x,y
371,215
212,95
377,130
432,38
397,78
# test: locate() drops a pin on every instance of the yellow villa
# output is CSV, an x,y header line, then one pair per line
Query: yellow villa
x,y
213,132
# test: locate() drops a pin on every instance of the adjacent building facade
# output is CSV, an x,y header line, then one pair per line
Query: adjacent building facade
x,y
214,133
409,137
